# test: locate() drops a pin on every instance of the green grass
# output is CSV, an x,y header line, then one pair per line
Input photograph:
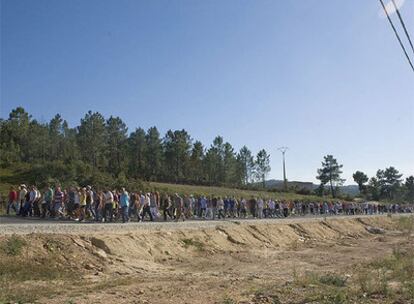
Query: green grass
x,y
193,243
13,245
333,279
228,300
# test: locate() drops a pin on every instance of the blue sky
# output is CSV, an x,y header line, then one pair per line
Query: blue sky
x,y
319,76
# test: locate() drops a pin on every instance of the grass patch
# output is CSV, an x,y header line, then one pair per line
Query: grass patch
x,y
113,283
228,300
333,280
26,282
193,243
25,278
406,225
13,245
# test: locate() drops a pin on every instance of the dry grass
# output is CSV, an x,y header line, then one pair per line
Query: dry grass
x,y
25,279
223,191
387,280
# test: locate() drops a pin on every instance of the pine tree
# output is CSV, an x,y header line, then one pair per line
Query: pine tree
x,y
116,132
196,172
262,166
246,165
92,139
330,173
153,155
136,153
360,178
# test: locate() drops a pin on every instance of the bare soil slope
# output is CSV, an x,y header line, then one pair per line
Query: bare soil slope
x,y
233,262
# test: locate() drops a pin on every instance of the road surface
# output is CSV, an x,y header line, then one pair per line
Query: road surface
x,y
13,224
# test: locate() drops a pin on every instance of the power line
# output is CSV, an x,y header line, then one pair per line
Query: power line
x,y
396,34
403,25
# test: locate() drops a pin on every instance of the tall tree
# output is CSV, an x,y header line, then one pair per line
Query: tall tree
x,y
246,164
409,189
360,178
18,130
330,173
116,132
92,139
153,154
231,176
55,137
136,153
69,145
374,188
214,162
177,147
196,162
262,166
389,182
37,142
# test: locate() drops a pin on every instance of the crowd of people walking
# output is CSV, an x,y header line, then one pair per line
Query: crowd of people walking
x,y
89,204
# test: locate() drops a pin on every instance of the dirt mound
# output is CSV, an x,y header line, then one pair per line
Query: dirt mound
x,y
223,259
149,250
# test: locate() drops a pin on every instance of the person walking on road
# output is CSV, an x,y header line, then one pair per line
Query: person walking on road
x,y
12,203
166,206
179,208
124,203
146,208
108,210
47,201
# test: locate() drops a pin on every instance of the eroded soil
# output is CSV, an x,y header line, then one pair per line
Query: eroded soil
x,y
248,262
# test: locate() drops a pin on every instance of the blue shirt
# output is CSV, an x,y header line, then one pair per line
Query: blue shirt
x,y
203,203
124,199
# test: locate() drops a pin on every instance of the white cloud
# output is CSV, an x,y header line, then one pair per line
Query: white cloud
x,y
390,7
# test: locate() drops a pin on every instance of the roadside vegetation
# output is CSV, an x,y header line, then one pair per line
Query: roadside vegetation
x,y
390,280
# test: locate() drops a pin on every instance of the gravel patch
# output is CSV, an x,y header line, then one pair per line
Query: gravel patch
x,y
12,225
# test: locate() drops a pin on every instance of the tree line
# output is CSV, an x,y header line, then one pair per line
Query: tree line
x,y
103,148
387,184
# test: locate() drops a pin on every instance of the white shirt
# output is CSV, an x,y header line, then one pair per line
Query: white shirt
x,y
22,194
109,197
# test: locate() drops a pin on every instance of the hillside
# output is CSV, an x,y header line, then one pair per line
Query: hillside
x,y
278,184
13,178
223,191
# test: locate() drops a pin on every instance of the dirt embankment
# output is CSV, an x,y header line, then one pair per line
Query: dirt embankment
x,y
213,264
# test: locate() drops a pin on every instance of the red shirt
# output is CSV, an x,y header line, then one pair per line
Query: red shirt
x,y
13,196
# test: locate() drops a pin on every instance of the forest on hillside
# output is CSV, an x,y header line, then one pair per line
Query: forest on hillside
x,y
100,149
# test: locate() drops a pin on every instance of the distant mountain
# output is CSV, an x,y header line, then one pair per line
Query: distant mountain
x,y
273,183
278,184
350,189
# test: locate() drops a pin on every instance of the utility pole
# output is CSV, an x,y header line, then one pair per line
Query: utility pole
x,y
283,150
